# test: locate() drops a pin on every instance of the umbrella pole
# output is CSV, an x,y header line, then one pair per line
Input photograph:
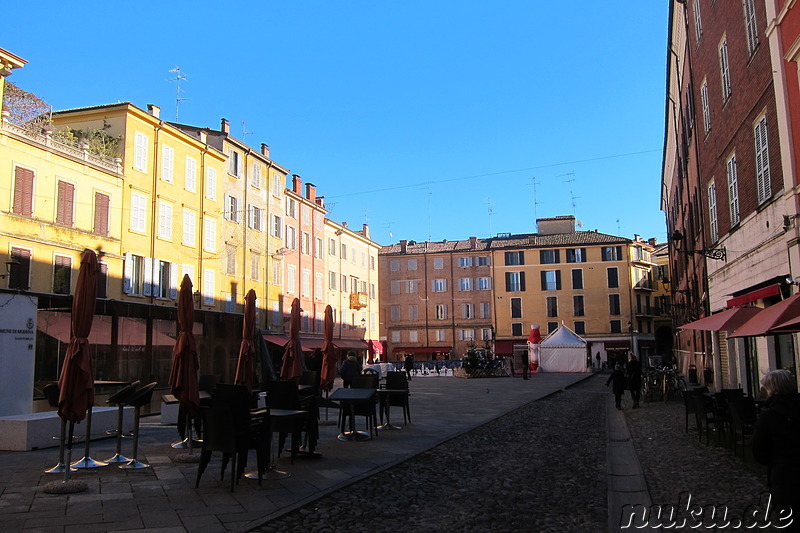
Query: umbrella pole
x,y
69,451
86,461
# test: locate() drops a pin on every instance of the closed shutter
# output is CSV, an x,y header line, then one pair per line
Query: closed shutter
x,y
65,203
20,271
23,191
101,207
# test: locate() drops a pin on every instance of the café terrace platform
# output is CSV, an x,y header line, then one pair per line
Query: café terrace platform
x,y
163,498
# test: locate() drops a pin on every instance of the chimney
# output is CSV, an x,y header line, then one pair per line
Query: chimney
x,y
403,246
203,136
297,184
473,243
652,241
265,150
344,225
321,201
154,110
311,192
365,231
225,126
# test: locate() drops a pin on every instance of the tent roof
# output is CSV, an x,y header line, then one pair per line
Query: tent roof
x,y
563,337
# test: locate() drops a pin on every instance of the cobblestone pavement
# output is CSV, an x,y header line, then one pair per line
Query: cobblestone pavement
x,y
539,468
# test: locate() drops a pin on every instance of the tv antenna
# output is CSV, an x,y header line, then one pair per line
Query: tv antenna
x,y
490,203
245,133
571,192
535,202
177,79
388,225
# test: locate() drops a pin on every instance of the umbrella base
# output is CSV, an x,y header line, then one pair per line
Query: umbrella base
x,y
181,445
305,454
118,458
88,462
354,435
60,468
134,465
66,487
271,474
387,425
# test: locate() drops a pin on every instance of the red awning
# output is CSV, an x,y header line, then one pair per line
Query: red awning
x,y
774,315
350,344
280,340
421,349
752,296
376,347
130,332
727,320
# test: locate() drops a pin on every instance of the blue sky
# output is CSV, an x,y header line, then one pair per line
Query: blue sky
x,y
425,119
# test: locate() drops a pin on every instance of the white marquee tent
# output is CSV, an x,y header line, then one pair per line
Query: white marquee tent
x,y
563,351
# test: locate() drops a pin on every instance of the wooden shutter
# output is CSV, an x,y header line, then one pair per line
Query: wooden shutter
x,y
23,191
522,281
20,272
101,211
65,203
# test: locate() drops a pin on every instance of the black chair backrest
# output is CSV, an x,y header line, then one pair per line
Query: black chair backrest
x,y
366,381
396,380
124,394
143,395
283,395
236,401
207,382
310,377
219,430
51,392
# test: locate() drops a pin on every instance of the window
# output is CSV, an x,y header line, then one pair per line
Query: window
x,y
486,334
412,264
413,336
516,329
515,258
352,254
440,335
277,224
484,311
372,262
189,225
413,312
464,262
552,306
305,214
466,334
209,234
344,284
191,174
551,327
579,326
516,307
484,284
576,255
733,190
211,183
255,178
762,161
549,257
440,311
165,285
102,207
332,279
255,267
704,105
438,263
468,311
483,260
231,260
612,275
208,287
305,245
394,286
698,25
23,191
134,281
231,208
411,286
465,284
725,71
616,326
291,237
613,304
140,151
138,210
318,248
712,211
234,163
394,265
439,285
306,283
372,291
612,253
62,274
515,281
551,280
65,204
290,279
577,278
19,277
278,183
353,285
167,163
577,306
332,248
164,220
344,253
291,208
750,25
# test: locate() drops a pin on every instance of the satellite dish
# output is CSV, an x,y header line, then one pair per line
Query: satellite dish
x,y
580,224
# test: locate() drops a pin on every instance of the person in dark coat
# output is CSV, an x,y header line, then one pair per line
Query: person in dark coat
x,y
776,441
349,370
409,366
617,380
634,371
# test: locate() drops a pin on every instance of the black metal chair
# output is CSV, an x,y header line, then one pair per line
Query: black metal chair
x,y
141,398
285,395
707,420
743,421
121,399
396,381
689,404
368,411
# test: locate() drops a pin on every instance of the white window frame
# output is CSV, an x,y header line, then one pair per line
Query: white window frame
x,y
209,278
255,218
165,221
189,227
319,280
290,279
440,312
209,235
255,178
468,310
141,143
750,28
712,211
484,283
439,285
725,70
438,263
167,163
733,189
464,262
465,284
763,184
190,174
441,335
211,183
277,225
413,335
704,105
278,185
138,212
698,23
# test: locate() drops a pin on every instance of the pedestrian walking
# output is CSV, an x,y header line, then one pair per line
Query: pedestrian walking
x,y
409,366
597,358
617,380
350,369
634,371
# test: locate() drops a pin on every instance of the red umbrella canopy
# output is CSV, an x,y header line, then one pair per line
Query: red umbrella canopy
x,y
244,369
76,382
183,381
292,367
328,358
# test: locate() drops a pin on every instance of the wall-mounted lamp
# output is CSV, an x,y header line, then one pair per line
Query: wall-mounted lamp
x,y
795,281
196,297
280,252
11,263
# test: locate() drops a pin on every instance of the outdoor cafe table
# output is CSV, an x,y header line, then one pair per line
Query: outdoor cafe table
x,y
351,397
385,395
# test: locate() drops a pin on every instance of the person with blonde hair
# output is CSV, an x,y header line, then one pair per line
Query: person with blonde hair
x,y
776,441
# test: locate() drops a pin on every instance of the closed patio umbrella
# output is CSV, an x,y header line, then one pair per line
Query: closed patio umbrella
x,y
244,368
183,381
292,367
328,357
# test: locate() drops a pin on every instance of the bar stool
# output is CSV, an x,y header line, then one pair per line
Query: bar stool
x,y
137,401
121,399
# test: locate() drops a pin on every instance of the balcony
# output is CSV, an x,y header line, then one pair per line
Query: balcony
x,y
359,300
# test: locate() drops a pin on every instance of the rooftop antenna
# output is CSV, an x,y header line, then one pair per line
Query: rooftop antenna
x,y
177,79
388,225
571,193
245,133
430,233
619,229
535,202
490,203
